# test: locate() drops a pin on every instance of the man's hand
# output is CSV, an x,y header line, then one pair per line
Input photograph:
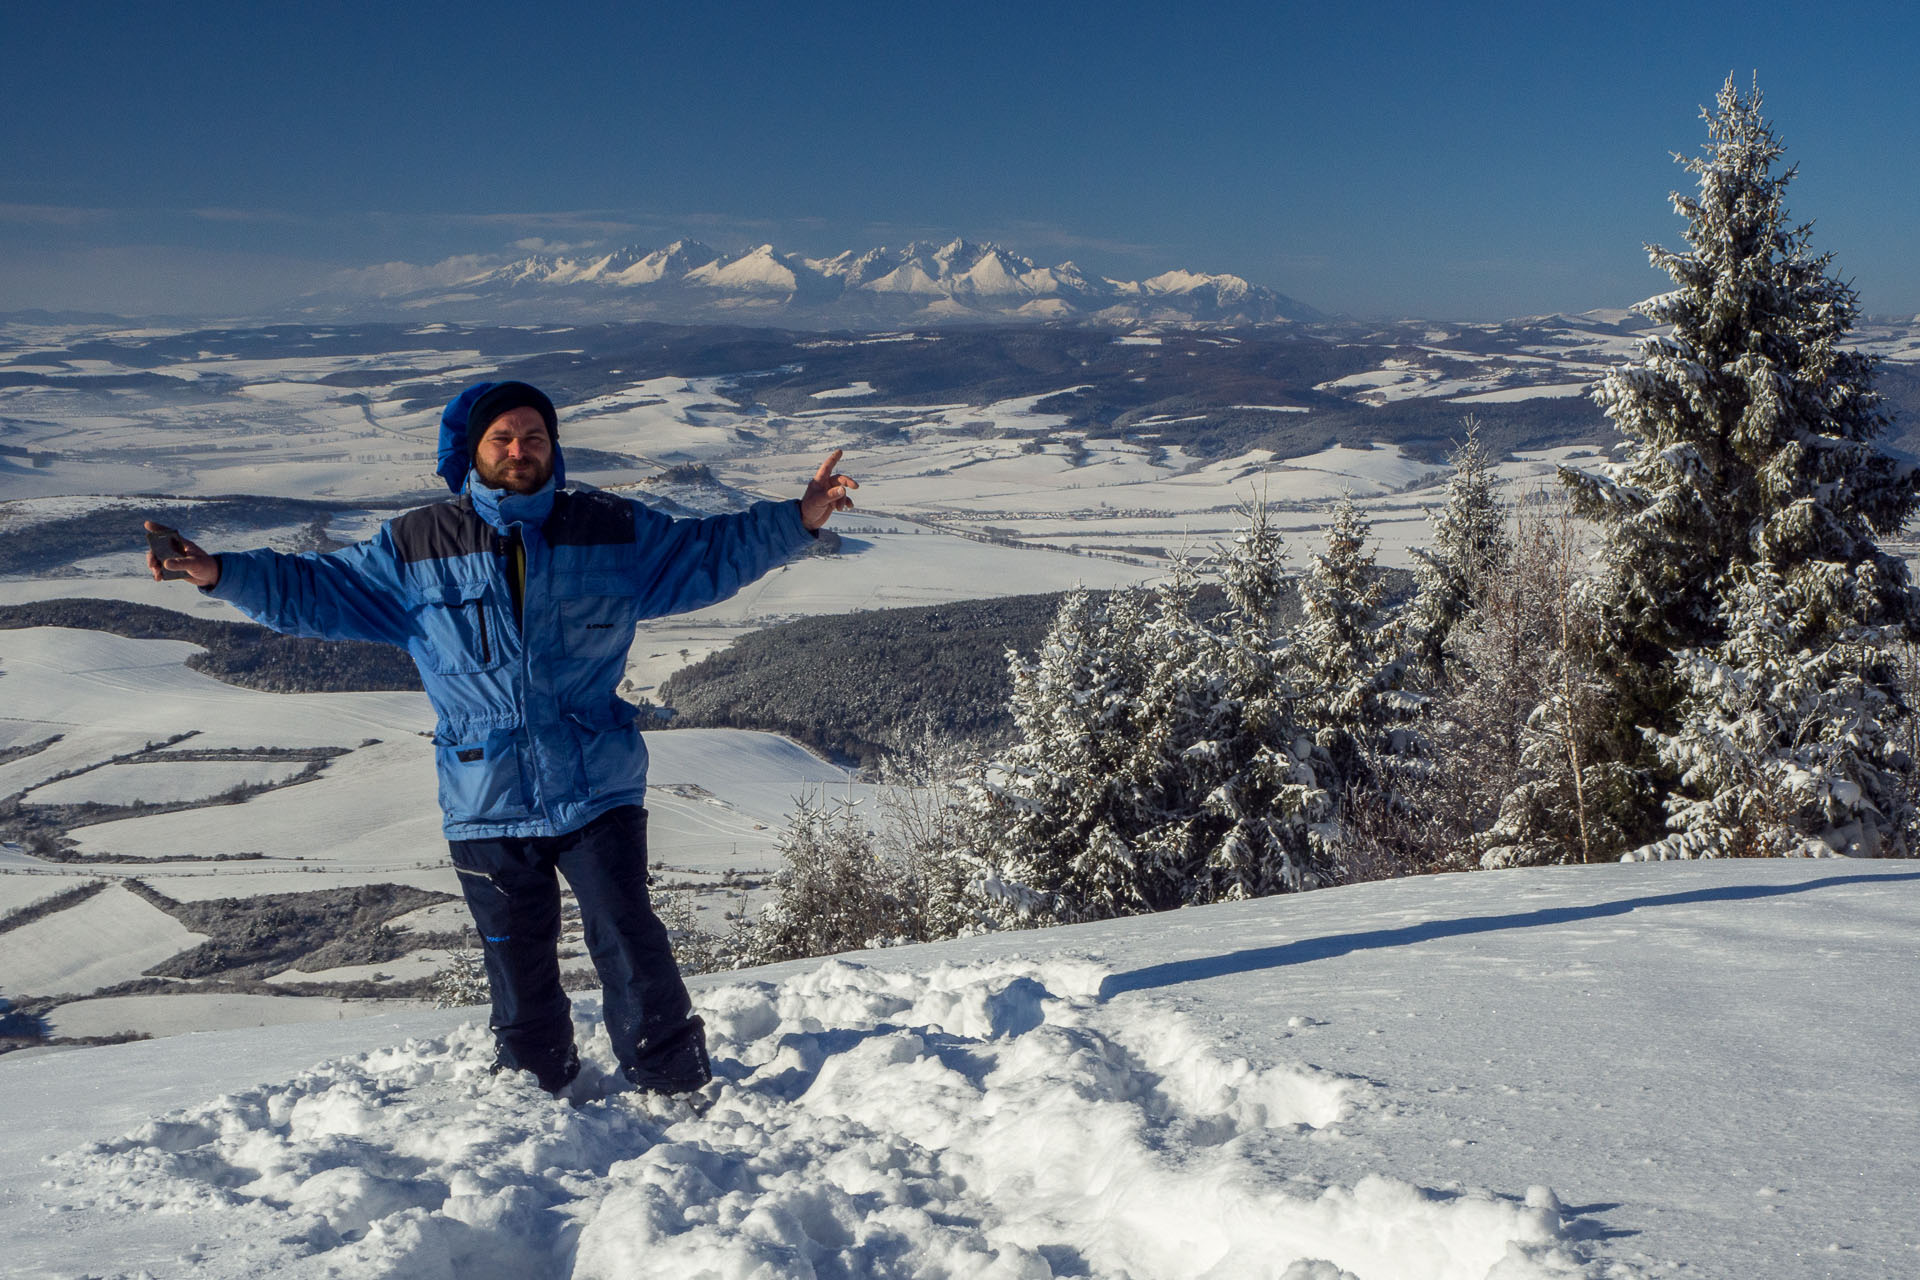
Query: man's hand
x,y
202,570
826,493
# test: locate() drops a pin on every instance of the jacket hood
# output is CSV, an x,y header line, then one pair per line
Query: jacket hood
x,y
454,459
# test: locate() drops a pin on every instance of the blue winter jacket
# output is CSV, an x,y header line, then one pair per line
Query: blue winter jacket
x,y
532,739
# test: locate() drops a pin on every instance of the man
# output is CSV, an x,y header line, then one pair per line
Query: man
x,y
517,600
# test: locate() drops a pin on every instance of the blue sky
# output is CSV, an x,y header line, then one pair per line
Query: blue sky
x,y
1373,159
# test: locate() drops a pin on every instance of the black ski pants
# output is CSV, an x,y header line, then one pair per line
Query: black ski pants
x,y
515,900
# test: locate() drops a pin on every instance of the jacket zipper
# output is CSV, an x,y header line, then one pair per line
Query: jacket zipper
x,y
486,649
504,546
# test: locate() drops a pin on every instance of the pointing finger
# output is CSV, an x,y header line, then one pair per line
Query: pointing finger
x,y
825,474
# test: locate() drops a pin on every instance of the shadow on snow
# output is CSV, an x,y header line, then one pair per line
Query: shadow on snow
x,y
1307,949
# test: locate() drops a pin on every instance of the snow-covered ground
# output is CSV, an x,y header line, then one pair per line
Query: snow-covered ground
x,y
1692,1070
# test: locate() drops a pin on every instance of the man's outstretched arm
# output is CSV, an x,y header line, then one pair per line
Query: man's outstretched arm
x,y
350,594
689,564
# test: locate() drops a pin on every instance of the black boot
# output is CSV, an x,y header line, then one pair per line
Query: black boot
x,y
674,1061
554,1072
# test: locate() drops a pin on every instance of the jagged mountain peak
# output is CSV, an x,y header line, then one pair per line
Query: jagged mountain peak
x,y
958,280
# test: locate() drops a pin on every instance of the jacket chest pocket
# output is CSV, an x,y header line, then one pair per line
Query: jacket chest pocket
x,y
595,614
460,630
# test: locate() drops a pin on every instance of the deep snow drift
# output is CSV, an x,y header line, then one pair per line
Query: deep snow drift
x,y
1693,1070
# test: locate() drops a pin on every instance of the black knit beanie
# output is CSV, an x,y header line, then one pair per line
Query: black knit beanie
x,y
505,397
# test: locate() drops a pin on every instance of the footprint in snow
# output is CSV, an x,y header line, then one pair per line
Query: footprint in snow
x,y
992,1120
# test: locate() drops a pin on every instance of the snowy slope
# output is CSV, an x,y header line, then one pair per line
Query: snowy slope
x,y
1698,1070
111,937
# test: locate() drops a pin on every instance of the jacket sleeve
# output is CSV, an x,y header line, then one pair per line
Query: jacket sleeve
x,y
689,564
351,594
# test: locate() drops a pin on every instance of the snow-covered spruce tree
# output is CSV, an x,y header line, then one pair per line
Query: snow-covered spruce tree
x,y
1339,656
1046,813
1469,549
1251,765
1750,435
1784,746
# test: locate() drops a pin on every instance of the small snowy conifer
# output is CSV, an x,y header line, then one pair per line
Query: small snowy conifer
x,y
835,893
1339,653
1470,548
463,982
1253,766
1051,811
1785,746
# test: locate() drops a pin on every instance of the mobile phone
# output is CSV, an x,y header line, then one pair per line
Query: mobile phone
x,y
165,543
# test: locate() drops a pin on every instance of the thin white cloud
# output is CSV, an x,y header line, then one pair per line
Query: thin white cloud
x,y
388,279
154,279
53,215
538,244
1037,236
217,213
592,224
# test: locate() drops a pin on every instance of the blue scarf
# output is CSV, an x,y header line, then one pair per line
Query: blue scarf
x,y
503,508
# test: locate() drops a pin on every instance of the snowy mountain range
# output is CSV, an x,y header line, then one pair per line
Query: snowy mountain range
x,y
921,283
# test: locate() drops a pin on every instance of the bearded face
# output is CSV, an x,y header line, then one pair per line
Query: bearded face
x,y
515,453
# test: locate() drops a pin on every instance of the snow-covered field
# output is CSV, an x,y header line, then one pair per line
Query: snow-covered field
x,y
193,1012
1697,1070
162,781
20,891
111,937
270,425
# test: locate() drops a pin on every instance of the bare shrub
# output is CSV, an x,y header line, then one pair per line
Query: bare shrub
x,y
849,884
1497,774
